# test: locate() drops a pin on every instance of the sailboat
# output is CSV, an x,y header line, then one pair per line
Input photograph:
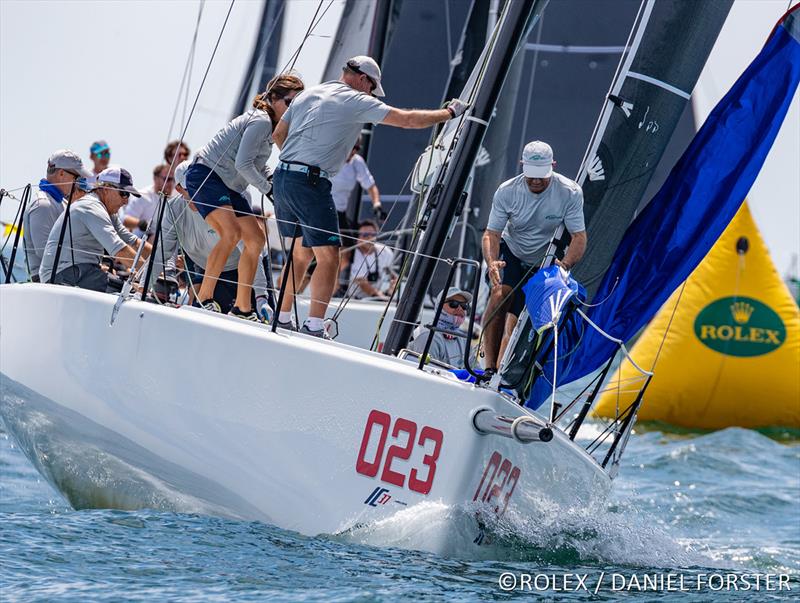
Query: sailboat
x,y
310,435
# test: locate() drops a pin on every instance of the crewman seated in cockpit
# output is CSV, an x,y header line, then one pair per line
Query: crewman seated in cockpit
x,y
446,347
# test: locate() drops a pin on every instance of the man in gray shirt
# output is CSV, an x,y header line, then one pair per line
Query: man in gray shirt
x,y
316,135
63,168
93,229
526,211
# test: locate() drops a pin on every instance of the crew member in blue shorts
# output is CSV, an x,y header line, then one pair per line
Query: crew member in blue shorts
x,y
220,174
316,136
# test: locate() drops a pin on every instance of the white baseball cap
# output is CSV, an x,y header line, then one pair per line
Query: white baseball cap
x,y
120,178
454,291
537,160
180,173
367,66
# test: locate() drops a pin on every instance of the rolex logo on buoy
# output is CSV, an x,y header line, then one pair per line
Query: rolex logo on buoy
x,y
740,326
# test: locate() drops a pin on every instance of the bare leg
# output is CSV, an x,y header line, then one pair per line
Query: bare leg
x,y
300,261
323,281
254,240
511,322
493,331
224,222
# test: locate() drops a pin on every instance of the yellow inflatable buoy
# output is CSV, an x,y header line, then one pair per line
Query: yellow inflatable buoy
x,y
732,353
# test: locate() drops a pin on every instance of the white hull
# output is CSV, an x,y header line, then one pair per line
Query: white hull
x,y
265,425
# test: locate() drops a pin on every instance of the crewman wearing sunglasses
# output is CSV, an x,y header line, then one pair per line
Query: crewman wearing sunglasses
x,y
446,346
316,135
100,154
93,228
48,202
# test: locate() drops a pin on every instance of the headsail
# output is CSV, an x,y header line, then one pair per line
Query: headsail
x,y
700,197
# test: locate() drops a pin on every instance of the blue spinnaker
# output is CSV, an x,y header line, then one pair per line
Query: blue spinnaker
x,y
667,241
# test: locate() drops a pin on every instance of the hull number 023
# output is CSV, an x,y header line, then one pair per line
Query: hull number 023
x,y
403,436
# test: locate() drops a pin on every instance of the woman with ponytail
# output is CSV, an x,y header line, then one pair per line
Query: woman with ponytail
x,y
218,178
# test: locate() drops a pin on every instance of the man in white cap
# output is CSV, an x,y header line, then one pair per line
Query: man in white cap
x,y
526,211
93,228
63,168
316,135
446,347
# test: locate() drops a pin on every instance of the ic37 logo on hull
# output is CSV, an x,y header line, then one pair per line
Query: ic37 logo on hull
x,y
379,496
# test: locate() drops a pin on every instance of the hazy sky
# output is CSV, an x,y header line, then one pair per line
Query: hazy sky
x,y
75,71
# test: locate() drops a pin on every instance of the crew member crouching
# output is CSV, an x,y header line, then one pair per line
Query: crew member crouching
x,y
93,227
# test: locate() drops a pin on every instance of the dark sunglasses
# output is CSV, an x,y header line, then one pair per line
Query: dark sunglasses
x,y
123,194
287,100
457,304
373,84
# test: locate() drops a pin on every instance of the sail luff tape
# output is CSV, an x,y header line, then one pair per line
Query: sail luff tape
x,y
660,84
477,120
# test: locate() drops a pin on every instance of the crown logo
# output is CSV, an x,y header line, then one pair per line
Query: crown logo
x,y
741,312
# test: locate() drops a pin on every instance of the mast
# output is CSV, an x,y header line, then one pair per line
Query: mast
x,y
445,197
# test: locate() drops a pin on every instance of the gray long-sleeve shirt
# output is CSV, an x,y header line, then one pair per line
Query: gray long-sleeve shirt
x,y
91,232
444,348
183,227
238,153
40,215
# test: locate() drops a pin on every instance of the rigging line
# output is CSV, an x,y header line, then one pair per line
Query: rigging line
x,y
530,85
186,72
311,26
447,29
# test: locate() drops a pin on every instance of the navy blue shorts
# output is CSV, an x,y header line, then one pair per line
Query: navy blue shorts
x,y
209,192
515,274
297,200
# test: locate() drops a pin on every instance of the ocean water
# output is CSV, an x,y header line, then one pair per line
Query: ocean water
x,y
691,516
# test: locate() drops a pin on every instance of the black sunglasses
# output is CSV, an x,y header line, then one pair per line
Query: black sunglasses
x,y
123,194
287,100
457,304
372,83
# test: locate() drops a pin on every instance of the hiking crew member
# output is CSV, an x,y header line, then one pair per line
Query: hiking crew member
x,y
526,211
354,172
316,136
445,347
216,181
139,211
63,168
93,227
183,228
372,265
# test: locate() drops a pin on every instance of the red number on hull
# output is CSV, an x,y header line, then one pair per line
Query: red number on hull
x,y
500,485
400,451
435,436
370,469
